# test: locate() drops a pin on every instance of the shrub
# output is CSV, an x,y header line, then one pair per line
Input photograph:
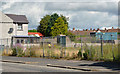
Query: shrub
x,y
85,56
79,54
14,52
20,52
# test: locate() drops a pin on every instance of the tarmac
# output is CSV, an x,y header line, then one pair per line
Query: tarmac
x,y
93,66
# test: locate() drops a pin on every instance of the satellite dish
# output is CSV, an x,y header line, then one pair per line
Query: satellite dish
x,y
10,30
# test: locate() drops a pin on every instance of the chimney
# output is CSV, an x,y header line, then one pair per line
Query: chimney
x,y
73,29
93,29
86,29
98,29
90,28
112,28
105,29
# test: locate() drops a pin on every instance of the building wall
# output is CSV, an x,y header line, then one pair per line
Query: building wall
x,y
0,30
24,32
5,24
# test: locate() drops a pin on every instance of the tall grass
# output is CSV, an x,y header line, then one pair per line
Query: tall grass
x,y
58,52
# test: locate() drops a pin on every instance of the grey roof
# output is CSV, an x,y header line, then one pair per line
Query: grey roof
x,y
18,18
25,37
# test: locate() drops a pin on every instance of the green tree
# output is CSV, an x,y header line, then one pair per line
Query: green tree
x,y
42,28
65,19
59,27
48,22
53,18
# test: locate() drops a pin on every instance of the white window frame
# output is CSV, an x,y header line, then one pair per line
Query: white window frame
x,y
20,27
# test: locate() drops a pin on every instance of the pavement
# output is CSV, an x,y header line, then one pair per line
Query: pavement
x,y
83,65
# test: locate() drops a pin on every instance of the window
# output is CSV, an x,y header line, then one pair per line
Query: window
x,y
18,41
20,27
22,41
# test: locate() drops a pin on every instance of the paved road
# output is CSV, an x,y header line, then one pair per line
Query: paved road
x,y
15,67
102,66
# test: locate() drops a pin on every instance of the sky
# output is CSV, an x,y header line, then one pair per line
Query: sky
x,y
82,14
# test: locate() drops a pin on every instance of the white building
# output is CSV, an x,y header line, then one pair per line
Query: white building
x,y
12,25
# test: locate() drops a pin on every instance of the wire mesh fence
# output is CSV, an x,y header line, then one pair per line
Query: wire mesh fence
x,y
72,47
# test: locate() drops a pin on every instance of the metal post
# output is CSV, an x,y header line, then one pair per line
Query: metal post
x,y
43,48
101,46
7,45
1,47
112,47
81,46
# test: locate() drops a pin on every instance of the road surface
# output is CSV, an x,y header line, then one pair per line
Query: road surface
x,y
16,67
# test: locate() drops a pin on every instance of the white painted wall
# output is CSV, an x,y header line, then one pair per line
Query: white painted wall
x,y
5,24
24,32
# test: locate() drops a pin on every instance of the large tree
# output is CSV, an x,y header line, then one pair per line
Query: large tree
x,y
48,22
59,27
42,28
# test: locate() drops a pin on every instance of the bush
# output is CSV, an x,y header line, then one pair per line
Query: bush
x,y
20,52
14,52
79,54
85,56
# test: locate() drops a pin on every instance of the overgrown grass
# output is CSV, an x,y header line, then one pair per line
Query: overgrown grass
x,y
57,52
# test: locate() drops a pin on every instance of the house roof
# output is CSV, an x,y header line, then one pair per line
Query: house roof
x,y
18,18
34,33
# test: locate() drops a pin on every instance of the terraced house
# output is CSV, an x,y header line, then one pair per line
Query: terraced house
x,y
12,25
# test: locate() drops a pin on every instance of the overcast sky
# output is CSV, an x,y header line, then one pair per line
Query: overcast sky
x,y
82,14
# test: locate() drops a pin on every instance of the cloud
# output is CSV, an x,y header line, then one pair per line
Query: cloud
x,y
61,0
103,28
7,5
82,14
111,8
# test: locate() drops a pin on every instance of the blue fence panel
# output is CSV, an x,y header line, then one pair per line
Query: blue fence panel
x,y
107,35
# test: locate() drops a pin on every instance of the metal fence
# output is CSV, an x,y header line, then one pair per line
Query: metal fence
x,y
91,46
5,45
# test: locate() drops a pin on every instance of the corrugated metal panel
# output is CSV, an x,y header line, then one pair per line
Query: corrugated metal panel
x,y
107,35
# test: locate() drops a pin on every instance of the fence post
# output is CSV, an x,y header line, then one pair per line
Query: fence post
x,y
43,47
7,45
112,47
81,46
101,46
1,46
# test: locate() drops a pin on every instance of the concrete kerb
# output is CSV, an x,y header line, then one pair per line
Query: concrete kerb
x,y
83,69
10,61
69,67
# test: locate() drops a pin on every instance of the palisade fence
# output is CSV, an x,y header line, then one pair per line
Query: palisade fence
x,y
5,45
72,47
